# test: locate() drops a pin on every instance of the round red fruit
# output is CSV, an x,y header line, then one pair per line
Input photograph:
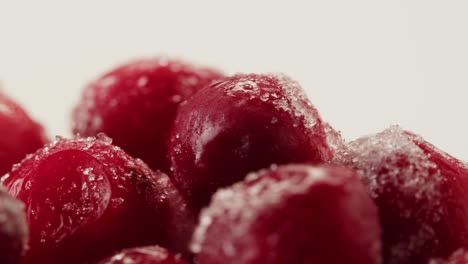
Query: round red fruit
x,y
144,255
135,104
13,229
291,214
420,192
20,134
241,124
86,198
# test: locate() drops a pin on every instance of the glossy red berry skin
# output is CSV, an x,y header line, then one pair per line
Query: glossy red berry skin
x,y
458,257
291,214
20,135
86,198
135,104
241,124
13,228
144,255
420,191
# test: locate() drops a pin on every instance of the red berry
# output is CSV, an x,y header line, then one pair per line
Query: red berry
x,y
420,191
135,104
458,257
20,134
86,198
144,255
13,228
290,214
241,124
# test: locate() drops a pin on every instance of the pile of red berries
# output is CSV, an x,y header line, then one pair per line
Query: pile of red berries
x,y
174,163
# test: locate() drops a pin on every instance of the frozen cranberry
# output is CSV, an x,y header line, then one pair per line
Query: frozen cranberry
x,y
20,134
86,198
420,191
290,214
144,255
13,228
458,257
135,104
241,124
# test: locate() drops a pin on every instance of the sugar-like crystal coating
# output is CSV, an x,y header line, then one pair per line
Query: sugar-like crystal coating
x,y
86,198
458,257
241,124
135,104
20,135
144,255
290,214
420,191
13,228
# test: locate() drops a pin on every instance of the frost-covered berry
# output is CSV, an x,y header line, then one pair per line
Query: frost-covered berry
x,y
135,104
86,198
291,214
241,124
20,135
421,193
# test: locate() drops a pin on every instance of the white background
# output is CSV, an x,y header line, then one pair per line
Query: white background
x,y
365,64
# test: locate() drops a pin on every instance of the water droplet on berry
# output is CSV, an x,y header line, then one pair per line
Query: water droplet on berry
x,y
176,98
142,81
